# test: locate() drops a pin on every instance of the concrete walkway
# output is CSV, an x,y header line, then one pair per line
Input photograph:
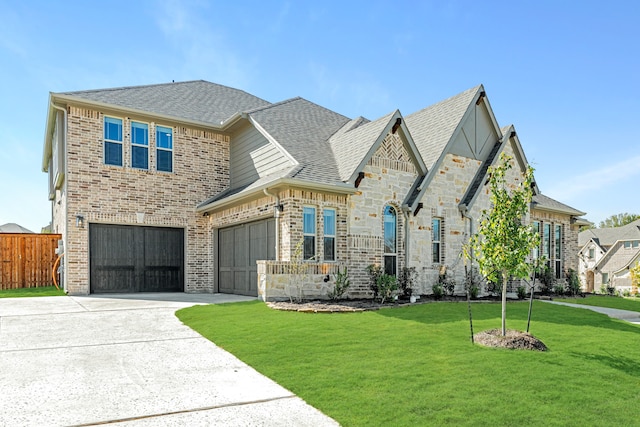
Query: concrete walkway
x,y
626,315
127,360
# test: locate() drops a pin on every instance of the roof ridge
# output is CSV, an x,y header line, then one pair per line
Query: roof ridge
x,y
464,92
275,104
112,89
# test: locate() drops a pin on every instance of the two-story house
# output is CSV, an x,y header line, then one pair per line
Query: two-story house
x,y
606,256
199,187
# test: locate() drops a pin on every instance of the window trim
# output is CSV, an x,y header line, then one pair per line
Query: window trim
x,y
158,148
133,144
309,234
536,251
393,255
106,140
328,235
557,249
436,258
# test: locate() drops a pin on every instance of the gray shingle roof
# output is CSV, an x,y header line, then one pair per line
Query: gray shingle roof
x,y
545,202
432,127
352,142
197,100
606,237
12,227
303,129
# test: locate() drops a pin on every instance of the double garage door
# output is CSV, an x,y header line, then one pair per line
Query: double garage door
x,y
126,258
239,248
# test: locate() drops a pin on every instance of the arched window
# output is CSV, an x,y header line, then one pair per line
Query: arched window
x,y
390,240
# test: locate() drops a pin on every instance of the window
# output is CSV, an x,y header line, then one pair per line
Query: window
x,y
112,141
390,240
636,243
329,235
546,241
536,250
164,149
557,244
605,278
627,244
309,232
436,240
592,253
139,145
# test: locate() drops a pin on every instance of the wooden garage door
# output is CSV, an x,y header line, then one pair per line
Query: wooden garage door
x,y
239,248
126,258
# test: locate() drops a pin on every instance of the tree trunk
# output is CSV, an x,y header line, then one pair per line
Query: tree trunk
x,y
504,303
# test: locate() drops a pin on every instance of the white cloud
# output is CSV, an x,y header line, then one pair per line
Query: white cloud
x,y
200,51
604,178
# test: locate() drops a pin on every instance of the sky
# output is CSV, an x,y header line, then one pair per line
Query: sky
x,y
565,73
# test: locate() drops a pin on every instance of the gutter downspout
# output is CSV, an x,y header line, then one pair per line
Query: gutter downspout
x,y
464,211
276,215
66,205
405,212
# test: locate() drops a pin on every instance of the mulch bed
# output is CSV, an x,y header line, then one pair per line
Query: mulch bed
x,y
513,340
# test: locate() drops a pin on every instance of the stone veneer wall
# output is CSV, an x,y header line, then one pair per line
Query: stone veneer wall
x,y
389,176
116,195
569,237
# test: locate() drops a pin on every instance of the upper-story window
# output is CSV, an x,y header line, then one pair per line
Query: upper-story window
x,y
309,232
627,244
592,253
390,240
112,141
139,145
164,149
436,240
636,243
329,234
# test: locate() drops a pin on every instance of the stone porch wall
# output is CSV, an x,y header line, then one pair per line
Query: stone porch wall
x,y
283,280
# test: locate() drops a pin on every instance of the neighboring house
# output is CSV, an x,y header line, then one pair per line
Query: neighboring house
x,y
198,187
607,254
12,227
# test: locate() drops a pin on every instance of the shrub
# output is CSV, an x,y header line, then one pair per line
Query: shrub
x,y
573,282
547,280
342,283
473,292
493,288
438,292
611,290
386,285
522,292
447,283
558,289
626,293
407,280
374,271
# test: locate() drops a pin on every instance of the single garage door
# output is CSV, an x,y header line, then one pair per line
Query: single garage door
x,y
126,258
239,248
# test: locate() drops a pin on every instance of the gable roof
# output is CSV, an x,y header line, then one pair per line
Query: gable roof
x,y
197,100
303,129
433,127
606,237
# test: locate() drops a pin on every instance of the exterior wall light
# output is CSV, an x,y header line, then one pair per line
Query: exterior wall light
x,y
79,221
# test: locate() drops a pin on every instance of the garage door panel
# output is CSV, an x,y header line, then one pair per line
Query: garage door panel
x,y
239,248
135,259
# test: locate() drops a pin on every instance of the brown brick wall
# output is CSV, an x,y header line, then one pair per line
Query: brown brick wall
x,y
111,194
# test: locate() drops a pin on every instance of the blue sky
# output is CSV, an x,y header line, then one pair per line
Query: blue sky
x,y
565,73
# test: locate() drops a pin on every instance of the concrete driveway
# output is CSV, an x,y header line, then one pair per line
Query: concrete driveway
x,y
127,360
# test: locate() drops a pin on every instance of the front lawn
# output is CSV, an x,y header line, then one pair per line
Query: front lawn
x,y
415,365
606,301
45,291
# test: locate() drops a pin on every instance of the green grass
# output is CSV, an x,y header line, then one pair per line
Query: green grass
x,y
606,301
45,291
415,365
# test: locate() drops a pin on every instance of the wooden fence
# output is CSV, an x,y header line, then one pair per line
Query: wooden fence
x,y
26,260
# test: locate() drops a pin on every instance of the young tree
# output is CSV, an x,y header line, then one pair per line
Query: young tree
x,y
504,239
